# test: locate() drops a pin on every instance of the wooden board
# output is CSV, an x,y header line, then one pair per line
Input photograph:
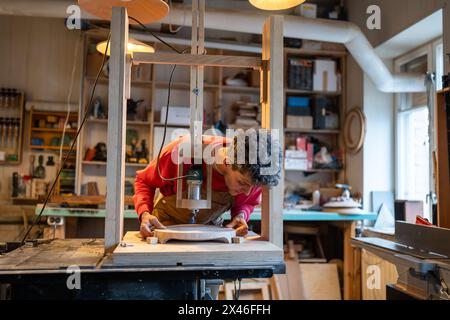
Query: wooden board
x,y
117,95
442,170
84,200
179,253
197,232
57,254
272,107
250,289
195,60
320,281
371,263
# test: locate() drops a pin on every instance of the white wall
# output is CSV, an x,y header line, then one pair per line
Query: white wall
x,y
378,154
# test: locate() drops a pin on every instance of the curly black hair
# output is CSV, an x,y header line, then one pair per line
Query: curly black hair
x,y
258,154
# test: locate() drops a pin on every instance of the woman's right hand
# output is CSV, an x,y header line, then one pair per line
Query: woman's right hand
x,y
148,223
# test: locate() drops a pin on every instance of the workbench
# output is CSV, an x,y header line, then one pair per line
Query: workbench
x,y
346,223
41,272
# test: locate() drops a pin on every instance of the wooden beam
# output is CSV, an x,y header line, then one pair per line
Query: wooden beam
x,y
442,170
197,60
272,118
196,81
115,166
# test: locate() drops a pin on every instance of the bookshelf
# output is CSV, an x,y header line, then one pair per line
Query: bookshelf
x,y
329,137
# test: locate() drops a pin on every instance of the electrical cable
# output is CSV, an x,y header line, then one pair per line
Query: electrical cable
x,y
69,96
88,111
156,36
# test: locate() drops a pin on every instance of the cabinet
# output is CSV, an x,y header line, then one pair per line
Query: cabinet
x,y
315,98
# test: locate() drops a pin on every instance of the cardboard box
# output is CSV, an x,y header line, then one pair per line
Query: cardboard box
x,y
177,115
325,78
299,122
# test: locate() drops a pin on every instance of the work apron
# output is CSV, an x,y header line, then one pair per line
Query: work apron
x,y
168,214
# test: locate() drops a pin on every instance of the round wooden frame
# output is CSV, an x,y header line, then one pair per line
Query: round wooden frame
x,y
351,145
146,11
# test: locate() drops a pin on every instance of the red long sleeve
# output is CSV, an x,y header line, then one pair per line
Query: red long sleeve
x,y
148,180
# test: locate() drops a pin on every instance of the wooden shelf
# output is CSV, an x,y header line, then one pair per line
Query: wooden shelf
x,y
313,93
54,113
313,131
316,170
183,85
53,130
321,53
103,163
158,124
131,123
138,83
240,89
51,147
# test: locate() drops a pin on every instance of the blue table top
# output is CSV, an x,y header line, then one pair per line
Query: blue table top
x,y
288,214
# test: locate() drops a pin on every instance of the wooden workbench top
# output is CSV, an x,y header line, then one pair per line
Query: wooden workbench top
x,y
176,253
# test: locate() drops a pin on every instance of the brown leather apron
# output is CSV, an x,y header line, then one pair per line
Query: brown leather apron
x,y
168,214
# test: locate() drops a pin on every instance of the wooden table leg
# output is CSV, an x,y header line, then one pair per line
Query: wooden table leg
x,y
352,265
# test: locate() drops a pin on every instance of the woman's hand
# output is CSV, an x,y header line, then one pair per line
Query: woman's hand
x,y
148,223
238,222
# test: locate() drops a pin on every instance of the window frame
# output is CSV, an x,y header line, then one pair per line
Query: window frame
x,y
403,103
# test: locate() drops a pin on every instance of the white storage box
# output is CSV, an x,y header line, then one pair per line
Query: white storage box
x,y
325,78
296,154
295,164
177,115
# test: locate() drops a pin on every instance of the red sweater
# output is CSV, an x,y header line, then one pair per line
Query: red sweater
x,y
148,180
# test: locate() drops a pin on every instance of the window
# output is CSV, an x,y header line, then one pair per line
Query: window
x,y
413,117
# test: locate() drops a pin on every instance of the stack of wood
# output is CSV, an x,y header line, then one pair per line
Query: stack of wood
x,y
246,115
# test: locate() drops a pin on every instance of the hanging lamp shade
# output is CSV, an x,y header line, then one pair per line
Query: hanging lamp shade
x,y
133,46
275,4
146,11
